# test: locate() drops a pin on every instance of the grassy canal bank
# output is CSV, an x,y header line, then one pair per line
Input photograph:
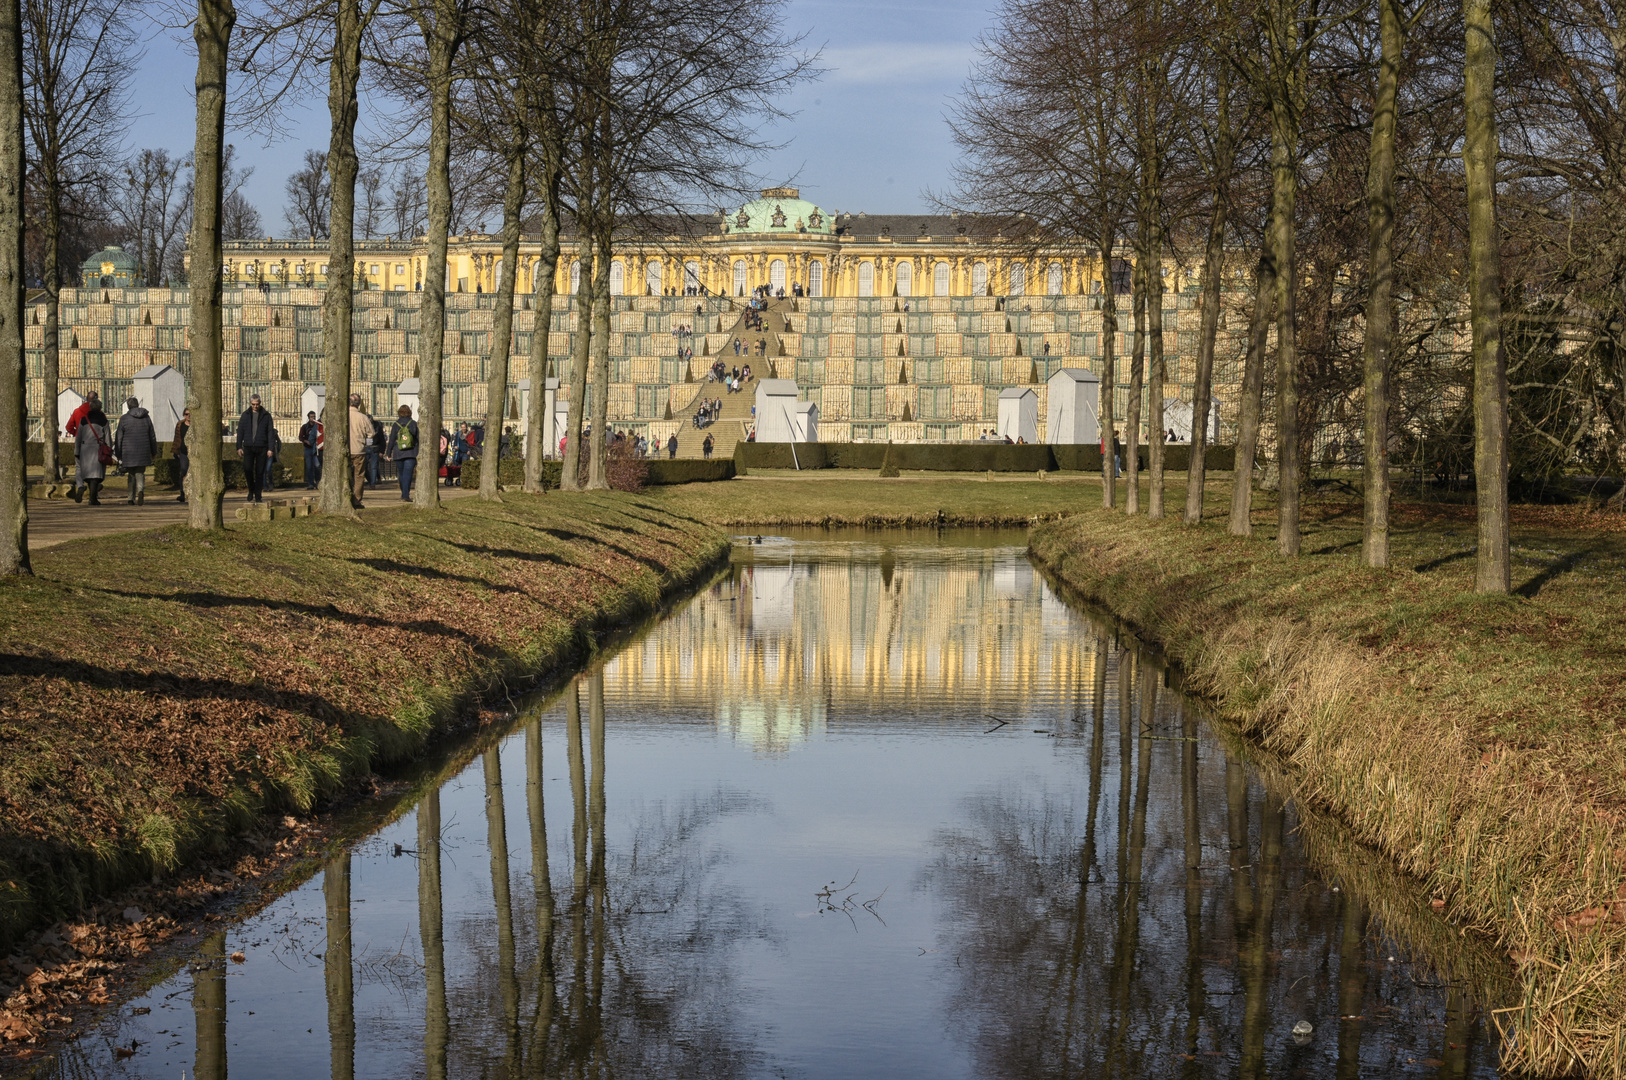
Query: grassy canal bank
x,y
161,691
1475,741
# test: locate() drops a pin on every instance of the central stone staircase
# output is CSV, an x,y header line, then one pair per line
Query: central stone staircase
x,y
734,423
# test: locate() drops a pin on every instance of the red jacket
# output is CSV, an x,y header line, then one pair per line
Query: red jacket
x,y
78,415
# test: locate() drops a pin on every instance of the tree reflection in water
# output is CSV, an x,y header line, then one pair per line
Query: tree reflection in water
x,y
1197,949
628,974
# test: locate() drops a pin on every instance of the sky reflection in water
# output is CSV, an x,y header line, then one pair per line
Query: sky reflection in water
x,y
858,810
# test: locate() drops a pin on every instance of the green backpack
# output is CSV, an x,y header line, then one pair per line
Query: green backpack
x,y
403,437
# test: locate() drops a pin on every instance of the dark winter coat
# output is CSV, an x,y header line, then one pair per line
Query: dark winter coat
x,y
136,443
254,429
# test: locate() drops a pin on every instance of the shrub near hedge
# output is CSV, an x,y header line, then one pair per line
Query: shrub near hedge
x,y
511,473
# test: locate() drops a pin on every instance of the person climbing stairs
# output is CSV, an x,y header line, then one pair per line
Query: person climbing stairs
x,y
734,419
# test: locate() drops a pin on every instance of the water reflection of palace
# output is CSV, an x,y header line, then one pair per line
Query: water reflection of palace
x,y
782,647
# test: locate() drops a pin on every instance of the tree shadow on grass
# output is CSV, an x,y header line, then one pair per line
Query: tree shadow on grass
x,y
314,611
1435,564
511,553
568,536
1332,549
395,566
1557,567
168,684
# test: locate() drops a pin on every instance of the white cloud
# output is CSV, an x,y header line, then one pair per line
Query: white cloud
x,y
917,62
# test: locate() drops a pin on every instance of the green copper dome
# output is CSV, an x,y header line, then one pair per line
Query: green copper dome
x,y
110,267
779,210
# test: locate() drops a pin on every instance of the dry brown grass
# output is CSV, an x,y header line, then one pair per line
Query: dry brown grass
x,y
1460,736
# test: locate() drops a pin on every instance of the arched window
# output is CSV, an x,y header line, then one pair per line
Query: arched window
x,y
1053,279
776,274
866,279
979,279
653,278
691,276
575,275
618,278
940,279
1019,279
905,278
815,279
739,277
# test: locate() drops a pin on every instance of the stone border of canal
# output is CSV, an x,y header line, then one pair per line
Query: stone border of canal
x,y
186,719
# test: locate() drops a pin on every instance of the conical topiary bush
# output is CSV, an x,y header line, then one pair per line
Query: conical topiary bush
x,y
888,467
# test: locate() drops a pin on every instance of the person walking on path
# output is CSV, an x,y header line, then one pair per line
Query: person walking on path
x,y
310,437
706,446
404,449
92,455
361,436
376,451
181,453
255,446
94,401
671,445
136,446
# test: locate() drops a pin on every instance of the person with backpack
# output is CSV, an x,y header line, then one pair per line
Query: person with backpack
x,y
404,449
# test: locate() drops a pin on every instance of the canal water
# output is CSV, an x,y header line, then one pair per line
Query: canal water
x,y
869,805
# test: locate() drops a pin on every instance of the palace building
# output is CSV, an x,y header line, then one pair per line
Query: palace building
x,y
907,327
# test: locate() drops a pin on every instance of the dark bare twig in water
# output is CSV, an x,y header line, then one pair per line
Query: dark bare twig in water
x,y
834,899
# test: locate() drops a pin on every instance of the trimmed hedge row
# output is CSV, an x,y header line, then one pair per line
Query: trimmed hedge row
x,y
957,457
690,470
511,473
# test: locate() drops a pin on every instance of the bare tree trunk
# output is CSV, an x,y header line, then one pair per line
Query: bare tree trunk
x,y
13,374
1284,184
502,320
570,477
1380,225
51,366
1155,371
1253,392
1137,376
1493,571
344,72
547,267
598,476
442,36
1202,394
1109,377
212,33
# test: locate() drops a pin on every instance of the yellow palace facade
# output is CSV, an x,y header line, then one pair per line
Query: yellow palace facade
x,y
908,327
779,240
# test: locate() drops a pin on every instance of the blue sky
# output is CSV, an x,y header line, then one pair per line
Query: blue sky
x,y
869,136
